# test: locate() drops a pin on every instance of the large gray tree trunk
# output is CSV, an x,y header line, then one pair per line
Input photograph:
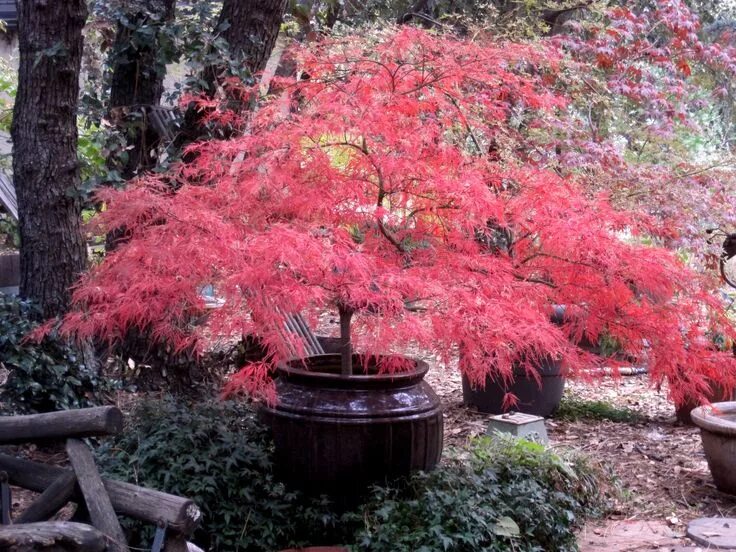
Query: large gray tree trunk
x,y
45,165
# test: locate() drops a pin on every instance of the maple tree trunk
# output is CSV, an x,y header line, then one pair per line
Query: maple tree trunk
x,y
346,349
138,80
45,165
253,28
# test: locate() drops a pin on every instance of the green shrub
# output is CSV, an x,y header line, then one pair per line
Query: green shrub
x,y
217,454
511,495
8,231
573,408
497,495
45,376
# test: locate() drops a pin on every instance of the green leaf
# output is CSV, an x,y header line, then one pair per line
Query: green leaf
x,y
506,527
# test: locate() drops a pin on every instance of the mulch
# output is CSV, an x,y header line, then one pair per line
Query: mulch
x,y
659,463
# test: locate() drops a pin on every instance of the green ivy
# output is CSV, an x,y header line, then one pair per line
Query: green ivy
x,y
42,376
574,408
9,236
510,495
217,454
497,495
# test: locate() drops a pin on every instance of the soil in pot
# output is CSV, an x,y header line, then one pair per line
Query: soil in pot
x,y
540,399
718,430
337,434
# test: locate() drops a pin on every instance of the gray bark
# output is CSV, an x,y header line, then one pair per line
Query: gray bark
x,y
45,165
253,29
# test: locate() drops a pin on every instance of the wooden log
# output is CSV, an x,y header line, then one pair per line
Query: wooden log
x,y
51,536
180,514
85,422
51,500
95,495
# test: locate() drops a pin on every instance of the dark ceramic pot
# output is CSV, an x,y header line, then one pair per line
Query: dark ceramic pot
x,y
533,397
338,434
684,412
717,425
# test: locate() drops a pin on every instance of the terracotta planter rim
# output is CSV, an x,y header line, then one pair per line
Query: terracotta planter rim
x,y
710,418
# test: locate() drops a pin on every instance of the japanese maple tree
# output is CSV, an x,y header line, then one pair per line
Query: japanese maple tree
x,y
650,122
374,185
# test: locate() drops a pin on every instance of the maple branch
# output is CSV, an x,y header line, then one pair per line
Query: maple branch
x,y
382,194
346,352
424,84
446,206
557,258
703,170
533,280
465,122
519,277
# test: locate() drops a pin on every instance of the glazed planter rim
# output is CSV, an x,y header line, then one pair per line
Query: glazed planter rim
x,y
295,370
705,418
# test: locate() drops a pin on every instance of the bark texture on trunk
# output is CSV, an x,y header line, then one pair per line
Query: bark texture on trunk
x,y
253,28
138,81
45,165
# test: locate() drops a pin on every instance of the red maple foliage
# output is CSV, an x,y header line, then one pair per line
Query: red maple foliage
x,y
372,186
648,81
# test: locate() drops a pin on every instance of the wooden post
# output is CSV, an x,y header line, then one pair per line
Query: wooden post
x,y
51,500
180,514
95,496
85,422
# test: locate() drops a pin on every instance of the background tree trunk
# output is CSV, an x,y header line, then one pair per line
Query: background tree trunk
x,y
45,165
253,28
138,80
250,27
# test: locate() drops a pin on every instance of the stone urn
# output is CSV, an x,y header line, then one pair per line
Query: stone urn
x,y
717,423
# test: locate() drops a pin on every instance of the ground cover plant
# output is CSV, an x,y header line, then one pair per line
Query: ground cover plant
x,y
496,495
374,187
46,376
573,408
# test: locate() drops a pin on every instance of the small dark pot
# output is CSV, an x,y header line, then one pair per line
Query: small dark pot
x,y
338,434
717,425
533,398
717,395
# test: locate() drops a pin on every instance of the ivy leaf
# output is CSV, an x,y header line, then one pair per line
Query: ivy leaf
x,y
506,527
